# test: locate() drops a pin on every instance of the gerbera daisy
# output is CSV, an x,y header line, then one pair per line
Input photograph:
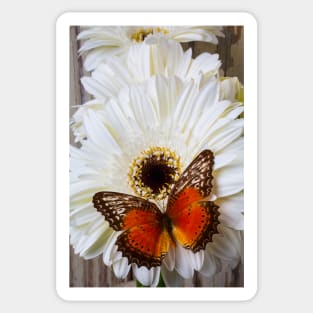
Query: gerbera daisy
x,y
141,62
102,43
175,119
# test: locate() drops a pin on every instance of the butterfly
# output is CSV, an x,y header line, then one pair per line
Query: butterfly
x,y
147,234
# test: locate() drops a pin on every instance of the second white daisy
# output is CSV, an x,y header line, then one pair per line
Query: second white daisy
x,y
103,42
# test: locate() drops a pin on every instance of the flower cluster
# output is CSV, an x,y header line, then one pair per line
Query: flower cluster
x,y
154,108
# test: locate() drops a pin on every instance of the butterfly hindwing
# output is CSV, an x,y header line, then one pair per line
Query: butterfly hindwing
x,y
195,226
143,241
205,234
145,245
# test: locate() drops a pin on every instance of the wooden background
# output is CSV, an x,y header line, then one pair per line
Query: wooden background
x,y
93,273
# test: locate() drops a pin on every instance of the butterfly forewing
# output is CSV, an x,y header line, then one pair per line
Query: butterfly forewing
x,y
122,210
143,241
198,176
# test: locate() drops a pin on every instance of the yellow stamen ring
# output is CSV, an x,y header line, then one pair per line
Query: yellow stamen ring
x,y
142,33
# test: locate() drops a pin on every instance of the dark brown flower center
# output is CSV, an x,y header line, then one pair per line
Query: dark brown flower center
x,y
152,174
156,174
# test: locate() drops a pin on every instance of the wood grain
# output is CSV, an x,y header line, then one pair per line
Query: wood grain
x,y
93,273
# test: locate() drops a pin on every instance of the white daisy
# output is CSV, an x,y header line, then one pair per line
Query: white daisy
x,y
140,63
181,119
102,43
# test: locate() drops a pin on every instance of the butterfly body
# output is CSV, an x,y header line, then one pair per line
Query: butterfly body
x,y
147,234
166,224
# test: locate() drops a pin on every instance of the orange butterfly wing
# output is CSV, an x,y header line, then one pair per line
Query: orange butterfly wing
x,y
143,241
194,219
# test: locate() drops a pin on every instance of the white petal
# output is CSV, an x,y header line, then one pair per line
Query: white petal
x,y
162,100
227,245
110,249
145,276
223,131
80,211
186,261
204,63
83,196
220,160
203,122
225,135
146,116
77,207
84,217
140,70
229,180
119,122
93,87
211,265
230,87
121,268
98,55
183,69
96,43
226,120
235,236
101,85
98,133
84,186
86,241
198,258
206,106
174,58
231,209
184,106
98,246
75,234
228,154
173,279
116,74
158,59
196,33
